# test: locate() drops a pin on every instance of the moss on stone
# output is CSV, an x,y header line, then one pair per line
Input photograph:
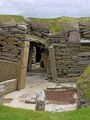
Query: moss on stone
x,y
56,25
11,18
84,83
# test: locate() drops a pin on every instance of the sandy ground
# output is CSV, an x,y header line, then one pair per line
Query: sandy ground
x,y
35,81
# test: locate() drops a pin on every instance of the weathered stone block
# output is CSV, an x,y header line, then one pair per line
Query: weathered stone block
x,y
16,30
9,85
21,36
22,27
40,100
74,36
1,94
8,70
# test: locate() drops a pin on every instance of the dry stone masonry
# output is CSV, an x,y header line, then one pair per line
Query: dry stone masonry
x,y
71,55
12,36
11,41
40,30
84,28
71,59
65,34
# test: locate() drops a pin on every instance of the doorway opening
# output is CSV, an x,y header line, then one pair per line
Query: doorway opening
x,y
38,54
37,60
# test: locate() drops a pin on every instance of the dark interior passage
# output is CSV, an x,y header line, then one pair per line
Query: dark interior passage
x,y
38,54
35,60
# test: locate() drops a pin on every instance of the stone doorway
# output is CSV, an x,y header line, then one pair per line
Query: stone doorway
x,y
37,60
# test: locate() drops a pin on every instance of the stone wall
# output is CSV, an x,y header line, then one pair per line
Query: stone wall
x,y
8,70
71,59
12,36
64,34
71,55
11,41
37,29
34,55
84,28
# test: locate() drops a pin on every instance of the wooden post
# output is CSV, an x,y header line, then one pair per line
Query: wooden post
x,y
23,66
52,63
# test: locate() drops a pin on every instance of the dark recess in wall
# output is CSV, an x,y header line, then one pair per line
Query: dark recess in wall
x,y
38,54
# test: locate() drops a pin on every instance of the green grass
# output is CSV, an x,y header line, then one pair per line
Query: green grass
x,y
55,25
84,83
7,113
11,18
85,77
87,94
84,19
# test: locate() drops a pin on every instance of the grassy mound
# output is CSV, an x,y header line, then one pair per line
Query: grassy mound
x,y
55,25
84,83
11,18
7,113
85,20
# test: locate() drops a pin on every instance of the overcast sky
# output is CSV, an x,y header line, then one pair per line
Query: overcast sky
x,y
46,8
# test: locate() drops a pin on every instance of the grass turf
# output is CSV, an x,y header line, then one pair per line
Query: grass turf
x,y
84,83
11,18
55,25
7,113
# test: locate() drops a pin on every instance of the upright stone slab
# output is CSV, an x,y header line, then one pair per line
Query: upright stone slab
x,y
44,58
40,100
74,36
23,66
52,63
30,58
2,91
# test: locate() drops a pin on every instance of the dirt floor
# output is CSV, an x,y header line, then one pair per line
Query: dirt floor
x,y
36,81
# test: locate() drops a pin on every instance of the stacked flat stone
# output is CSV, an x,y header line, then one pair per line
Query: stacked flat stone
x,y
71,59
11,41
71,55
37,29
84,30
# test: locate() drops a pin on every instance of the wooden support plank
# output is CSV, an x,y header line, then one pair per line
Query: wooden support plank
x,y
52,63
23,66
